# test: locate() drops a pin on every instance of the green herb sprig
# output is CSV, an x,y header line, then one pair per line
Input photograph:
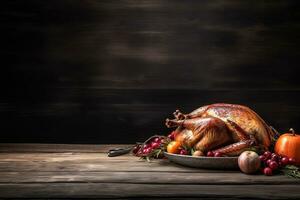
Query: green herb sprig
x,y
291,171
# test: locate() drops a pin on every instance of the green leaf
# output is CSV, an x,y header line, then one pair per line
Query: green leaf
x,y
148,159
291,171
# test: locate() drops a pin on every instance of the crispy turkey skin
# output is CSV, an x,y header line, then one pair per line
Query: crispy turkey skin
x,y
225,128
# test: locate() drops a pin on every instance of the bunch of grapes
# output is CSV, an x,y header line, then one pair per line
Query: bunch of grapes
x,y
272,162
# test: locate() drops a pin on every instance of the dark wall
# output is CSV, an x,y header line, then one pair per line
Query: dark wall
x,y
111,71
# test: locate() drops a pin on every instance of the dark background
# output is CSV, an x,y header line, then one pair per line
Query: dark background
x,y
111,71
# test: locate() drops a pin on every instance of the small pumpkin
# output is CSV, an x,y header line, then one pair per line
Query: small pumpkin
x,y
288,145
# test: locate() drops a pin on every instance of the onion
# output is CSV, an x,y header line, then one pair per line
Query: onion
x,y
249,162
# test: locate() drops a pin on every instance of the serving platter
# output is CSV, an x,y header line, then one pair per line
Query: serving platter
x,y
204,162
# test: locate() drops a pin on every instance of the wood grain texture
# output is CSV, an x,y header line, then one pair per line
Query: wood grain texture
x,y
118,190
160,177
58,148
81,173
111,71
75,162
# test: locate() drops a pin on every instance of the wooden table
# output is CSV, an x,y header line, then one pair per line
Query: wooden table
x,y
84,171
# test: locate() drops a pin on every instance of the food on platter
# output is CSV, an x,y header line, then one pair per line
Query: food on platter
x,y
226,130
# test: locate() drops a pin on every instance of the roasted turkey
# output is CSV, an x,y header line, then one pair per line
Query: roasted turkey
x,y
225,128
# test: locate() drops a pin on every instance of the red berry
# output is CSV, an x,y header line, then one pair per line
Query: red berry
x,y
267,154
285,161
146,146
268,162
147,150
172,135
274,157
273,165
292,161
218,154
136,149
157,139
183,152
262,158
210,154
268,171
155,145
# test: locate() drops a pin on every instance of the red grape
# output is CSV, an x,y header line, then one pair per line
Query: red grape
x,y
146,146
267,154
172,135
183,152
274,157
273,165
268,162
157,139
210,154
155,145
136,149
147,150
268,171
285,161
218,154
292,161
262,158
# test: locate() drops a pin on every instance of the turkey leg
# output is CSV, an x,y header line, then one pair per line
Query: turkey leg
x,y
246,141
201,133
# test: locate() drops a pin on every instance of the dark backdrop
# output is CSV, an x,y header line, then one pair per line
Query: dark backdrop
x,y
111,71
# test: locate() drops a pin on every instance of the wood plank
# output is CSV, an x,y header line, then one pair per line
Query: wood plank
x,y
61,157
117,190
85,162
52,148
202,178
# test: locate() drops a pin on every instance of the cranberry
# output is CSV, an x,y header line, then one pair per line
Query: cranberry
x,y
285,161
262,158
292,161
172,135
147,146
210,154
273,165
268,162
157,139
136,149
268,171
267,154
155,145
147,150
274,157
183,152
218,154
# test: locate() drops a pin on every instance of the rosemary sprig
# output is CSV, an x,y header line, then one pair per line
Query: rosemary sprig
x,y
291,171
